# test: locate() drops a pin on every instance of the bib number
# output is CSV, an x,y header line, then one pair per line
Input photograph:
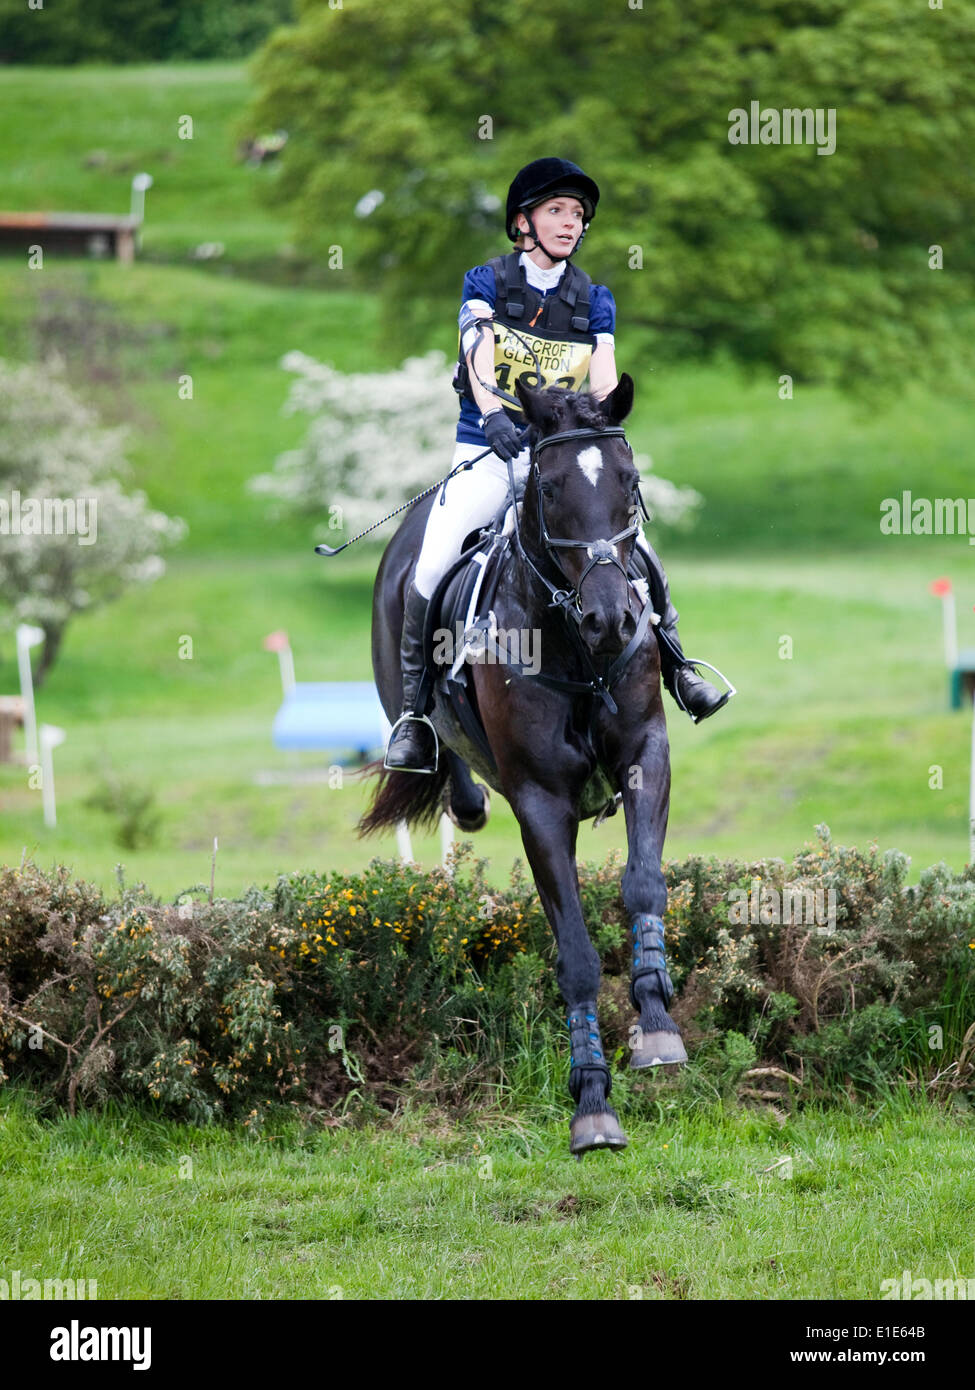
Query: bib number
x,y
563,363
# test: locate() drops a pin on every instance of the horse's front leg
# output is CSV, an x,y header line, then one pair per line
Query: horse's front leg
x,y
644,780
548,830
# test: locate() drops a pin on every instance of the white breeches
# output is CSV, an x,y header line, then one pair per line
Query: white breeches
x,y
471,499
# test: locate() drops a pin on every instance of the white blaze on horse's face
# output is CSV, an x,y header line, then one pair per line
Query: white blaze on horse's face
x,y
591,461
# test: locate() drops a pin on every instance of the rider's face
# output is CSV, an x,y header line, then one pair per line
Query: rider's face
x,y
558,222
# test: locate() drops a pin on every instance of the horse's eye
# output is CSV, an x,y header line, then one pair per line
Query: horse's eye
x,y
546,489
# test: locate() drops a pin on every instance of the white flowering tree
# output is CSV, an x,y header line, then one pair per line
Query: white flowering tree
x,y
378,438
71,537
375,440
666,501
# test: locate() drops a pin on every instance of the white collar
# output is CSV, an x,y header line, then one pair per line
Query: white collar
x,y
538,278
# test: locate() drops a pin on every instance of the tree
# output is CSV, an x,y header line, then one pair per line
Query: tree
x,y
70,537
376,437
407,120
134,31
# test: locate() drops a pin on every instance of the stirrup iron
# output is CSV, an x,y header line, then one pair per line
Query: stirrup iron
x,y
691,661
420,719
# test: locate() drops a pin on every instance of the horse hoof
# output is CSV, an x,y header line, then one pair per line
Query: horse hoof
x,y
479,821
588,1132
658,1049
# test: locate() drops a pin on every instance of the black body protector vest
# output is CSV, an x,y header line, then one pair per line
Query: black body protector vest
x,y
555,327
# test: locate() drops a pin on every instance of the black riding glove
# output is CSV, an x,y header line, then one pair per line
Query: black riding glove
x,y
502,435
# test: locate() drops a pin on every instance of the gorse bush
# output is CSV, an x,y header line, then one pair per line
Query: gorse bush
x,y
135,998
329,988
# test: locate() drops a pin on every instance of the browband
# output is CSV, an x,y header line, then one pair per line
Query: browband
x,y
612,430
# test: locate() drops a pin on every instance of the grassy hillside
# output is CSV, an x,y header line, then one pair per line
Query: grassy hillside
x,y
73,138
845,732
803,475
788,542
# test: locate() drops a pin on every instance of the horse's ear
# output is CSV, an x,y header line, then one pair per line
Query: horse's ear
x,y
539,407
618,404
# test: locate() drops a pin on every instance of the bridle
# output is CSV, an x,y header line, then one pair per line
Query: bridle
x,y
600,552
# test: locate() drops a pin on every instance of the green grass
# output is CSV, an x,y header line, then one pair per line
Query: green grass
x,y
788,542
128,338
806,475
420,1207
74,137
845,732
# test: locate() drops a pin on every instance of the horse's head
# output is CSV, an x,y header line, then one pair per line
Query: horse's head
x,y
580,499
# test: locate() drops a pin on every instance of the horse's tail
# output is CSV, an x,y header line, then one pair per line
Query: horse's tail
x,y
411,796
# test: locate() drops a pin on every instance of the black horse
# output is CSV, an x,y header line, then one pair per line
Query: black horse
x,y
556,738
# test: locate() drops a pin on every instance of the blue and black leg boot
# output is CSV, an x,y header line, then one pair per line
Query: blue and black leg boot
x,y
595,1124
657,1040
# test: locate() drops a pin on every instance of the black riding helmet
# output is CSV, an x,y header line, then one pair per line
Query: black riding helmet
x,y
545,178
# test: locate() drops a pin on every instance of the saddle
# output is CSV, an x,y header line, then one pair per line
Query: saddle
x,y
461,603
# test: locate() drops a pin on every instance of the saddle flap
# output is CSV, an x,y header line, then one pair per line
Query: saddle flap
x,y
456,599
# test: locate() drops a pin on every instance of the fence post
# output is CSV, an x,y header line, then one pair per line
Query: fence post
x,y
50,737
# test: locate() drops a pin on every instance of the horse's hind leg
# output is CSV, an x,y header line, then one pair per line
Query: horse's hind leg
x,y
467,803
548,830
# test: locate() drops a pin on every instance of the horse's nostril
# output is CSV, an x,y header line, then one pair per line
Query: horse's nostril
x,y
605,633
592,628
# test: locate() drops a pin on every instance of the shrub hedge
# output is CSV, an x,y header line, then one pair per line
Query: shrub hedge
x,y
399,980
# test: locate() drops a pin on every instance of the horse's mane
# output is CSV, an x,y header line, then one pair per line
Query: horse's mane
x,y
571,409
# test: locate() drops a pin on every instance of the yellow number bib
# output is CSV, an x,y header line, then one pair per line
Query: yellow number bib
x,y
563,362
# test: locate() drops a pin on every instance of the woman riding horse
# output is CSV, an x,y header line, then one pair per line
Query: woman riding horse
x,y
535,289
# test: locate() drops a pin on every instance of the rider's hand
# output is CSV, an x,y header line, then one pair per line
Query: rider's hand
x,y
502,435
